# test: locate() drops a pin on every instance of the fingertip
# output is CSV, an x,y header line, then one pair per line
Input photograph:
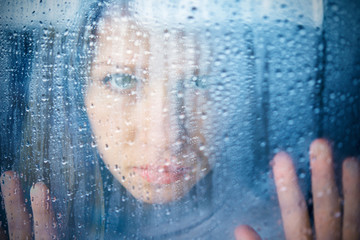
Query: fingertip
x,y
281,158
351,192
39,186
319,142
9,182
7,175
320,153
319,145
245,232
38,192
352,164
350,173
282,165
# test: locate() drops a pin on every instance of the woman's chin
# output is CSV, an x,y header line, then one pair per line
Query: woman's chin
x,y
159,198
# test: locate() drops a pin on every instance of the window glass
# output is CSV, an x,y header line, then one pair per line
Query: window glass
x,y
161,119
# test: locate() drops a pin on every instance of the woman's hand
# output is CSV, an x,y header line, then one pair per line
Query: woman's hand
x,y
330,223
18,217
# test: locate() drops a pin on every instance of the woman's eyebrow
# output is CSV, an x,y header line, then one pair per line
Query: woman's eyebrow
x,y
113,68
108,64
121,66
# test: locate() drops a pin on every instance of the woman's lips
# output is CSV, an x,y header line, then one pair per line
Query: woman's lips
x,y
161,174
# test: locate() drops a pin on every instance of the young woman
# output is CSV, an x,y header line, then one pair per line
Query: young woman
x,y
154,98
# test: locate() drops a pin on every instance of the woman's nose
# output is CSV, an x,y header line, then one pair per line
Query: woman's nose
x,y
157,114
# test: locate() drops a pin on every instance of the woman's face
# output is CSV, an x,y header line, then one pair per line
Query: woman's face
x,y
147,104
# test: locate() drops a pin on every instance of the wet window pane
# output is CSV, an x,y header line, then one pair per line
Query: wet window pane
x,y
179,119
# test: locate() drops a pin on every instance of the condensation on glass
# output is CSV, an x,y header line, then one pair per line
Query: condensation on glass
x,y
158,119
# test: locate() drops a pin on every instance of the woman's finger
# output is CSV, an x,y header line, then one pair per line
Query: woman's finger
x,y
245,232
327,212
351,190
44,220
293,207
16,213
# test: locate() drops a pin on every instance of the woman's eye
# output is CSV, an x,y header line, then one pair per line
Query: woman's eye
x,y
120,81
199,82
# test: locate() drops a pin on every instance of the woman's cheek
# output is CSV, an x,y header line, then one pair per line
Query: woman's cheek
x,y
101,113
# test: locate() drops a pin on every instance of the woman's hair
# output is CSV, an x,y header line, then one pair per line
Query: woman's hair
x,y
57,147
